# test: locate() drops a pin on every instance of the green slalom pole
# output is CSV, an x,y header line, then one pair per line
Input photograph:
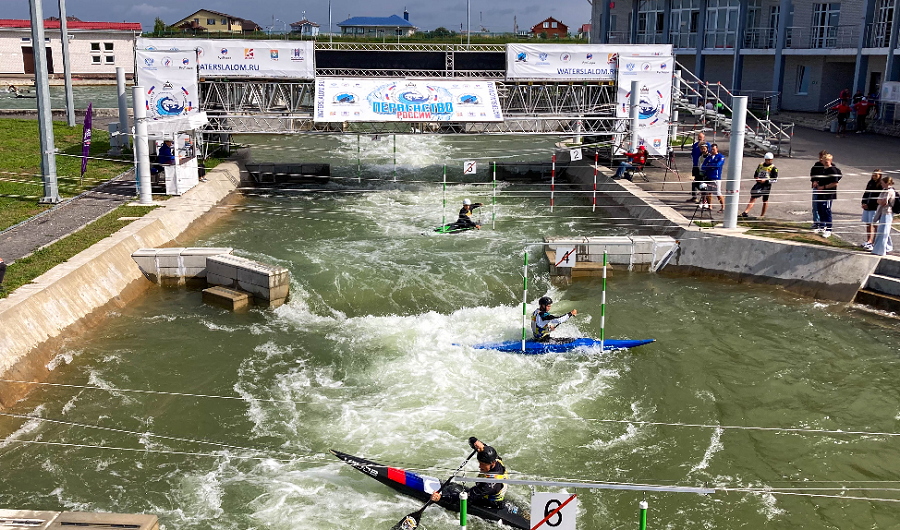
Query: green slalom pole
x,y
358,167
644,507
494,201
603,305
444,210
525,299
463,502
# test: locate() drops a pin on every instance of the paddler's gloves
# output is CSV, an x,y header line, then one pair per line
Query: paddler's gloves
x,y
472,441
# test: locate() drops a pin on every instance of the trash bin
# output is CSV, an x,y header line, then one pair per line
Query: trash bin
x,y
834,126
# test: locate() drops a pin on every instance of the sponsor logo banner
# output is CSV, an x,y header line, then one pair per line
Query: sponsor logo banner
x,y
414,100
269,59
654,76
572,62
169,79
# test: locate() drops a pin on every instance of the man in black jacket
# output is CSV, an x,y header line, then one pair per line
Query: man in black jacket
x,y
488,495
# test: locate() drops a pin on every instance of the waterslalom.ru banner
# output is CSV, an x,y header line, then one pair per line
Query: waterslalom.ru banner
x,y
572,62
267,59
391,100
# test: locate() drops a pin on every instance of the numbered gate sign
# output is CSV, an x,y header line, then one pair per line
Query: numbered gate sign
x,y
565,256
575,154
553,511
469,167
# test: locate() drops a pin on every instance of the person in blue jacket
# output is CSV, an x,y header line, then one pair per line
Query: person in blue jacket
x,y
712,167
698,152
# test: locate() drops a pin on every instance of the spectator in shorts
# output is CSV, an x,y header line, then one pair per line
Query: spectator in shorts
x,y
869,205
825,192
884,216
712,168
843,114
698,152
862,112
815,171
766,174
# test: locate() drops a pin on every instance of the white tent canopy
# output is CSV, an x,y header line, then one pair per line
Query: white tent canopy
x,y
169,128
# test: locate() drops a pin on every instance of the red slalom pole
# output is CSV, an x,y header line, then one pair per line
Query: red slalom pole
x,y
552,182
594,205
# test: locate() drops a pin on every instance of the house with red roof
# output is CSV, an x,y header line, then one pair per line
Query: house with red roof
x,y
95,48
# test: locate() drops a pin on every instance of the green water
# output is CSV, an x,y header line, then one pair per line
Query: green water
x,y
373,356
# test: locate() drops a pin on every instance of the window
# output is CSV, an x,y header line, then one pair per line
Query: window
x,y
95,59
224,21
802,80
210,22
197,20
107,46
553,25
26,39
110,59
546,24
612,22
825,25
881,29
95,46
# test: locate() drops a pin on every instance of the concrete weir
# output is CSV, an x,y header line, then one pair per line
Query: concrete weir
x,y
77,294
825,273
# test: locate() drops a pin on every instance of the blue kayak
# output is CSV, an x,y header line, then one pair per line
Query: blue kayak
x,y
561,345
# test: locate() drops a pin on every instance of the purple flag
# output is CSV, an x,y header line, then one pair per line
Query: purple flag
x,y
86,139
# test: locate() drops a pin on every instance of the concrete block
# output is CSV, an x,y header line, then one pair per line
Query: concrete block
x,y
215,279
170,272
145,252
222,266
888,266
253,276
197,256
227,298
194,272
883,284
169,257
257,290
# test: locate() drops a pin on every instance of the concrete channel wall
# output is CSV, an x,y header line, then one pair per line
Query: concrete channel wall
x,y
76,294
822,272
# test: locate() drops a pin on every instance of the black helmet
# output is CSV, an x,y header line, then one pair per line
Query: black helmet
x,y
545,300
488,456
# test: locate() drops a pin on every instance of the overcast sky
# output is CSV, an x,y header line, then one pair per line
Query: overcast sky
x,y
495,15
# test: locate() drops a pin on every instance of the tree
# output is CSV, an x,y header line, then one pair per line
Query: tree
x,y
159,27
544,35
441,32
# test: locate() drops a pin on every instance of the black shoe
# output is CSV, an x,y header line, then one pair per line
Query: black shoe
x,y
744,215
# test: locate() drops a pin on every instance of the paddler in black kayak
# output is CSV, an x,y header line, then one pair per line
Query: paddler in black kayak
x,y
465,215
488,495
542,322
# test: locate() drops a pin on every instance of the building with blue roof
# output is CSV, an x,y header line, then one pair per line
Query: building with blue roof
x,y
377,26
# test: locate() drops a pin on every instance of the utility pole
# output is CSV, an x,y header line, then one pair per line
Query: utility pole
x,y
330,31
67,69
45,118
468,23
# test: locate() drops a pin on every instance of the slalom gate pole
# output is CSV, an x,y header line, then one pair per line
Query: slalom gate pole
x,y
395,158
494,201
358,166
552,182
643,520
596,161
603,305
444,209
524,298
463,502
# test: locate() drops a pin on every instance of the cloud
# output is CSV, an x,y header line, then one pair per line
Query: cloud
x,y
150,10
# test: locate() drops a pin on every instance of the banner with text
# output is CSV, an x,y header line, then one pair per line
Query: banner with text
x,y
269,59
572,62
412,100
654,76
169,80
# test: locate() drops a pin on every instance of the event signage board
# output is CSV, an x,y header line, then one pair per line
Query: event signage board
x,y
572,62
264,59
406,100
654,76
169,80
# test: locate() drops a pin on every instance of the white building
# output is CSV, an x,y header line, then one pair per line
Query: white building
x,y
95,48
305,28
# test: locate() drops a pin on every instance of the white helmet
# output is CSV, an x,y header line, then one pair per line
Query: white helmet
x,y
467,202
770,156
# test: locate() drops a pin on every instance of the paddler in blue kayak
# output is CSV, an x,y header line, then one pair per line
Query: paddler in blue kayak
x,y
488,495
465,215
542,322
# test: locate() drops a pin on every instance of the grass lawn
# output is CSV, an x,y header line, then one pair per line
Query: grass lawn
x,y
25,270
20,166
799,232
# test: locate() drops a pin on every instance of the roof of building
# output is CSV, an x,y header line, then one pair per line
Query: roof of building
x,y
392,21
249,25
585,28
304,22
217,13
8,23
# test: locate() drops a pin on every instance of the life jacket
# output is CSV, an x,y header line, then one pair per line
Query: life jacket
x,y
539,332
764,172
501,494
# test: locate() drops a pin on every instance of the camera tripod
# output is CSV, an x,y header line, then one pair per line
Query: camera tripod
x,y
703,206
671,166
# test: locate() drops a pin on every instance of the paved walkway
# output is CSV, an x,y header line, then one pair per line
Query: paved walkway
x,y
65,218
791,200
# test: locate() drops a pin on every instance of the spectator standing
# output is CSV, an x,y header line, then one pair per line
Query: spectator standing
x,y
766,174
698,152
815,171
885,216
843,114
862,111
712,168
825,192
2,274
858,97
869,205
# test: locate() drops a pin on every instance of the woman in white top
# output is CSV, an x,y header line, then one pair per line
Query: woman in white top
x,y
884,216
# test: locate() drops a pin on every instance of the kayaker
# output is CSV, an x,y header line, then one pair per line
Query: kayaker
x,y
465,215
542,322
488,495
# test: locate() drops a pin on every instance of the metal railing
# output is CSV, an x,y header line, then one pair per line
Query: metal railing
x,y
719,39
760,38
878,35
682,41
823,37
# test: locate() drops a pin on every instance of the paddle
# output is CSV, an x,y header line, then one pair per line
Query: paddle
x,y
411,521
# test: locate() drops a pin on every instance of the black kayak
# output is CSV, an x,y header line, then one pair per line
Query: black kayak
x,y
421,487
